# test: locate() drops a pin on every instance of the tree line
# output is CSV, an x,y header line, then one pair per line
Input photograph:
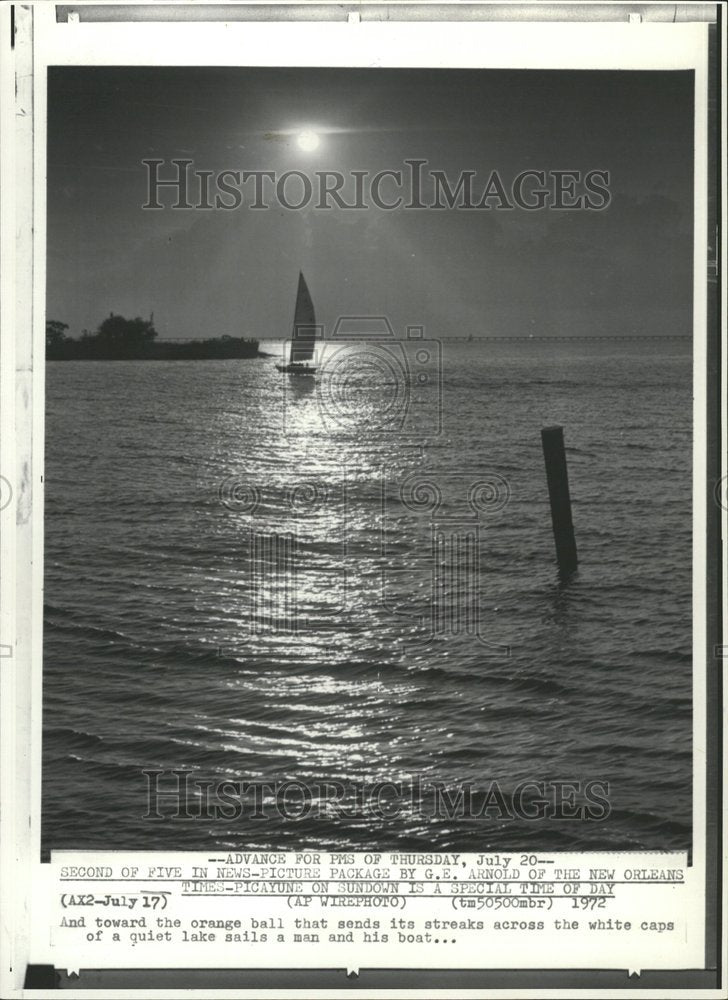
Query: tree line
x,y
121,339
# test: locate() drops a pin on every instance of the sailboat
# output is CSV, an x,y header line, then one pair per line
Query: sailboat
x,y
303,340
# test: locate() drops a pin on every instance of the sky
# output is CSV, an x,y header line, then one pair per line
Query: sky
x,y
625,269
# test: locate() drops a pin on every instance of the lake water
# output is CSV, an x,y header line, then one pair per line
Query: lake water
x,y
254,578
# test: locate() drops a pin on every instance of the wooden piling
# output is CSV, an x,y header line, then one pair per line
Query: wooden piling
x,y
552,439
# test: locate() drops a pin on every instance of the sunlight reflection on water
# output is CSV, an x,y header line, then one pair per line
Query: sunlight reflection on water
x,y
215,560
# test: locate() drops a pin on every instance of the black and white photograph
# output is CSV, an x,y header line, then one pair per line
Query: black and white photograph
x,y
368,459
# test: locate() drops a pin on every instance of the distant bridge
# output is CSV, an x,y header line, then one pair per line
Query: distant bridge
x,y
330,340
626,336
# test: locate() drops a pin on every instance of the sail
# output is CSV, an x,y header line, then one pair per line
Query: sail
x,y
304,324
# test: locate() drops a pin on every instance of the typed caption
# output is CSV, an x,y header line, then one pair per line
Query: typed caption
x,y
316,909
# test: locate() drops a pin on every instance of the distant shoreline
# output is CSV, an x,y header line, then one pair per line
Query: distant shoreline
x,y
234,348
221,349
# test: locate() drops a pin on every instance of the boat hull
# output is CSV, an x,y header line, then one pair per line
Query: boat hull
x,y
297,368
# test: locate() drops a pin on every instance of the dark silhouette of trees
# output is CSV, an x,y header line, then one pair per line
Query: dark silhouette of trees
x,y
120,339
55,333
122,334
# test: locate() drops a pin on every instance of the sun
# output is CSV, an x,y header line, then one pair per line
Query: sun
x,y
308,141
